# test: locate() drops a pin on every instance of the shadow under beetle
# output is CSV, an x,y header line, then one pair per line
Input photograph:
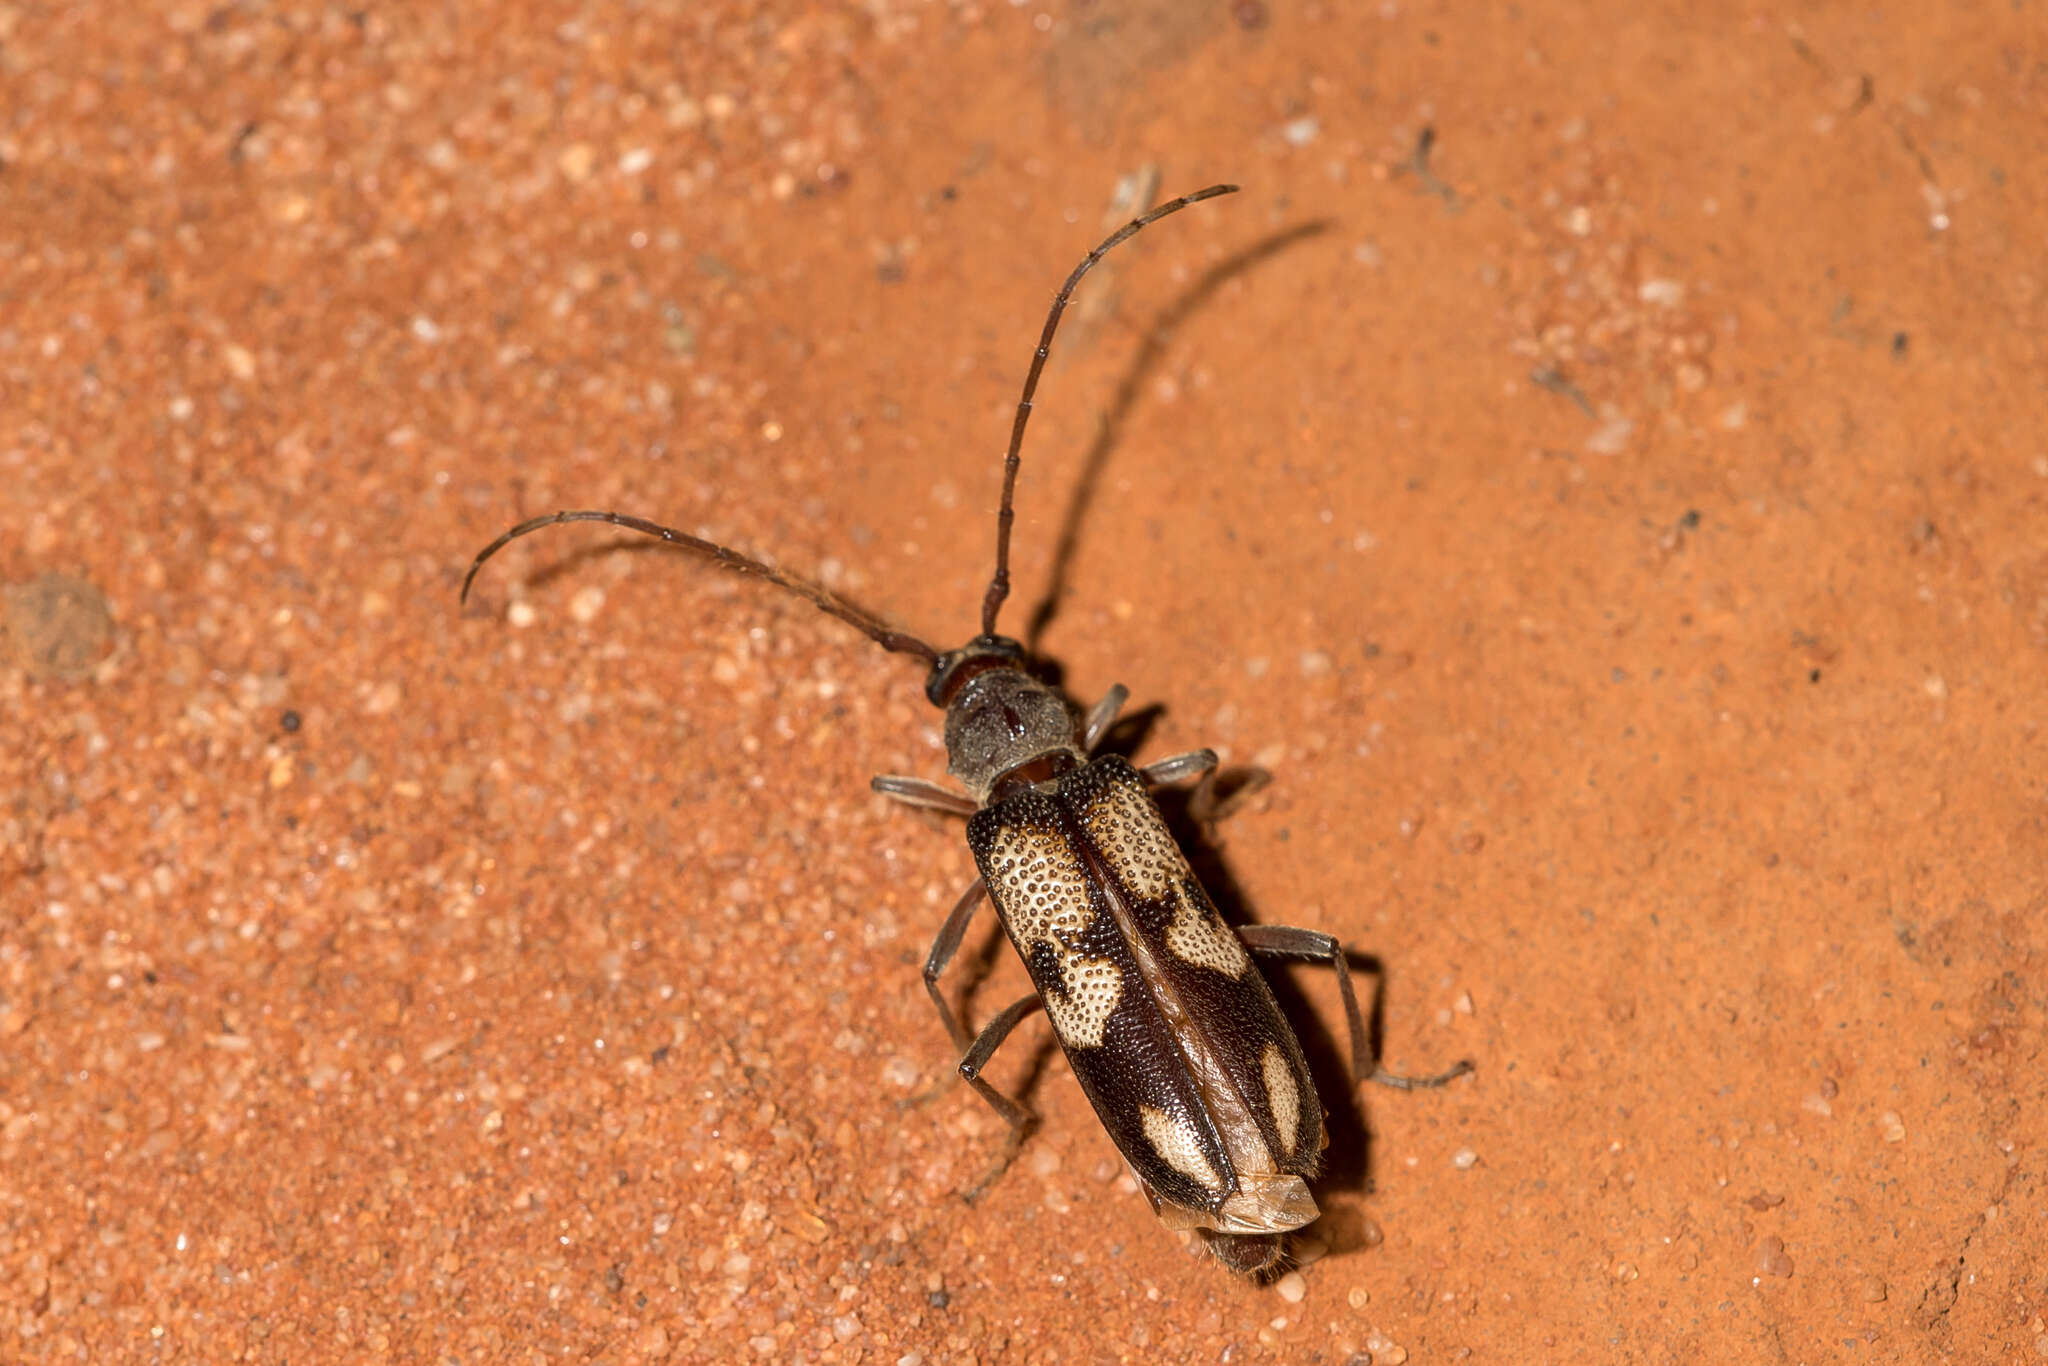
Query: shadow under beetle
x,y
1170,1029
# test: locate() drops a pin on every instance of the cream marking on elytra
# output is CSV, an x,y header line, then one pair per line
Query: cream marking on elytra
x,y
1039,883
1282,1094
1205,941
1179,1146
1140,849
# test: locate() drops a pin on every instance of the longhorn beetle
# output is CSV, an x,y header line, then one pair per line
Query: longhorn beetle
x,y
1169,1027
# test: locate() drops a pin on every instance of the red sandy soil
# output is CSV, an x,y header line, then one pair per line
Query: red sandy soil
x,y
1618,530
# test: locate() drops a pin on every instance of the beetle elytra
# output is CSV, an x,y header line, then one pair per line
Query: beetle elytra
x,y
1170,1028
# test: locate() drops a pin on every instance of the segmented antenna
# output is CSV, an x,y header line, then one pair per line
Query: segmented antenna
x,y
822,599
999,586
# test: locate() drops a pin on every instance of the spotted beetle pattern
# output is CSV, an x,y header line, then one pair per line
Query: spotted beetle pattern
x,y
1169,1027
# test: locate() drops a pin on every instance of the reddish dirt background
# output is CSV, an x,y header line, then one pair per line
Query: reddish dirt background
x,y
1619,532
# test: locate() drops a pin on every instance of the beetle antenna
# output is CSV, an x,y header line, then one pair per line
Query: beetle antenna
x,y
824,600
999,586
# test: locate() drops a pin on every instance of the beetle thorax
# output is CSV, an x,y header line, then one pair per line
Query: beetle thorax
x,y
1003,720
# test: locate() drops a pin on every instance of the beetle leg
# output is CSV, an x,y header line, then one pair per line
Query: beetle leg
x,y
943,949
1179,768
1102,716
1016,1116
918,792
1285,941
992,1035
1461,1067
1209,810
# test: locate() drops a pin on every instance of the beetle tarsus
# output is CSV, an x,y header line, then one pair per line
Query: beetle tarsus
x,y
1383,1077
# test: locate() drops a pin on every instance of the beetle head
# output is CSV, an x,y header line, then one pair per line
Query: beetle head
x,y
998,717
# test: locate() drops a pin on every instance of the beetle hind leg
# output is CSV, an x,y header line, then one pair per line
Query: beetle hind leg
x,y
1457,1069
1285,941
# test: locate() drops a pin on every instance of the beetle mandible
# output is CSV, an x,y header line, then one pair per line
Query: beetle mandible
x,y
1170,1029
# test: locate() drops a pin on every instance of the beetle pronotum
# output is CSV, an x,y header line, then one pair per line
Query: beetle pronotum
x,y
1171,1030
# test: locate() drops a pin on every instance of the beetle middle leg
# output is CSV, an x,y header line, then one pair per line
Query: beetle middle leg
x,y
943,949
1206,806
978,1051
1174,769
1178,768
1285,941
1015,1115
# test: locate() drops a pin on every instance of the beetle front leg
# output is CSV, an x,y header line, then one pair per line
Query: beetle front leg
x,y
1016,1116
919,792
1285,941
1102,716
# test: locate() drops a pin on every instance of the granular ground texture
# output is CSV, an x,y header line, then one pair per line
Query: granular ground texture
x,y
1596,467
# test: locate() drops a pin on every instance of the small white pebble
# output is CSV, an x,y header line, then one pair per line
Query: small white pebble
x,y
589,600
1611,437
1302,131
521,615
1293,1287
1892,1127
1464,1159
1662,293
